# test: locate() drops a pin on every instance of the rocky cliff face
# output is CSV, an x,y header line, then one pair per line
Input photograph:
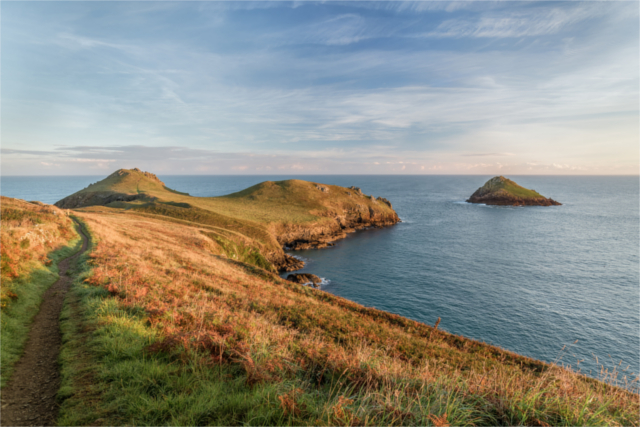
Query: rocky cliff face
x,y
502,191
338,225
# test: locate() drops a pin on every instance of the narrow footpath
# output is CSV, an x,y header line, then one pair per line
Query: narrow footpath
x,y
29,399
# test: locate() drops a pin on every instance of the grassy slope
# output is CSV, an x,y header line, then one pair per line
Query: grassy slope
x,y
131,182
290,201
244,223
163,332
511,188
34,240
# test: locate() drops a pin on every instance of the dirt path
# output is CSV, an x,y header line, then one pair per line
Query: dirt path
x,y
30,397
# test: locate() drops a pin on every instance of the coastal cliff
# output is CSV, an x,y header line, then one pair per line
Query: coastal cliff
x,y
502,191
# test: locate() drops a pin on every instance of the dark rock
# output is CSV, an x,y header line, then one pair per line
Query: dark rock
x,y
356,190
288,263
304,279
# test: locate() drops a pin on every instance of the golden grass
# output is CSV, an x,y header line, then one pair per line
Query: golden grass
x,y
29,233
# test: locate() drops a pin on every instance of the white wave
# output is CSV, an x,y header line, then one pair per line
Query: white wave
x,y
323,282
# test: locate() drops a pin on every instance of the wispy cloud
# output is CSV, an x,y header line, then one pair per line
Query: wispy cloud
x,y
315,83
518,24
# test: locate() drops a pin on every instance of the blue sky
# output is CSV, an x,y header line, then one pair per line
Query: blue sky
x,y
313,88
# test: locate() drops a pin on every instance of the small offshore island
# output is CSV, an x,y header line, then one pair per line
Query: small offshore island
x,y
504,192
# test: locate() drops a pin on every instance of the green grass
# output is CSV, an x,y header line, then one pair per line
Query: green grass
x,y
241,252
129,385
16,318
519,191
284,202
111,378
501,183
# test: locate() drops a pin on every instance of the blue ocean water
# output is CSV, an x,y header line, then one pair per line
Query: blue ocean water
x,y
528,279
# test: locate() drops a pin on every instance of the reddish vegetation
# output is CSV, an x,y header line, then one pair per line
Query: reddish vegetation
x,y
29,232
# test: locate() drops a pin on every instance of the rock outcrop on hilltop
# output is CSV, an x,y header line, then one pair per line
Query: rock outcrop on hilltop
x,y
502,191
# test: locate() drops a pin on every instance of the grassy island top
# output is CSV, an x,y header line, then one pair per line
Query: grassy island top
x,y
502,184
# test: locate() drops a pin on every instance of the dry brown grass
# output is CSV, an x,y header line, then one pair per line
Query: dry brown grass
x,y
29,233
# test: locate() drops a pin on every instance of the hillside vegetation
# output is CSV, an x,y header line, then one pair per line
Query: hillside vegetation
x,y
33,237
162,330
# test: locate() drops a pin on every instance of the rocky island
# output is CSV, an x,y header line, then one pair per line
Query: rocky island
x,y
502,191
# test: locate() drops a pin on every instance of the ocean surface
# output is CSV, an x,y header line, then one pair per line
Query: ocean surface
x,y
529,279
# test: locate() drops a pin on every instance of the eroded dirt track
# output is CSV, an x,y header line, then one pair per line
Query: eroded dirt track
x,y
29,399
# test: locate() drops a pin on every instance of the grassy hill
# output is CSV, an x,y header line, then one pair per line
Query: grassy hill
x,y
501,183
261,219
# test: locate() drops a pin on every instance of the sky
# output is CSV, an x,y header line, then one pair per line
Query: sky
x,y
508,87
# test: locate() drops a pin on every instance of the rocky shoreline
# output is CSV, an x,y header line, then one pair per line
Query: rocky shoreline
x,y
305,279
338,226
509,200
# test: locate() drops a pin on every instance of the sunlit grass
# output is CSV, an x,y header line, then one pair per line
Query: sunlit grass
x,y
34,238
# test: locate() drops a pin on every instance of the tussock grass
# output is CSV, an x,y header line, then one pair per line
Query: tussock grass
x,y
34,238
174,334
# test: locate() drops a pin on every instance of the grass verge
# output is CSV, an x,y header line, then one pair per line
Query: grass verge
x,y
28,289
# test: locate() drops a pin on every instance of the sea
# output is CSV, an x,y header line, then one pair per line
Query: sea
x,y
559,284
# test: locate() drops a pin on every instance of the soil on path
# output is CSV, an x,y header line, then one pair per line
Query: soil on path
x,y
29,399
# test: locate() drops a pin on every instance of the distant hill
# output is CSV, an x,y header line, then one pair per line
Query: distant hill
x,y
502,191
252,225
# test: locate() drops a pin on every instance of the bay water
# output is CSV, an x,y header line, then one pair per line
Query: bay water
x,y
529,279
